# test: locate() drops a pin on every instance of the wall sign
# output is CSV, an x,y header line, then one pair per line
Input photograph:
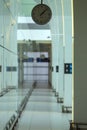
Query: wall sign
x,y
28,60
57,68
11,68
68,68
52,68
0,68
42,59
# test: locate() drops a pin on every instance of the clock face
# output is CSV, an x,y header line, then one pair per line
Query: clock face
x,y
41,14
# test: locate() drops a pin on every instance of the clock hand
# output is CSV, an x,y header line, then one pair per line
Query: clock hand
x,y
43,12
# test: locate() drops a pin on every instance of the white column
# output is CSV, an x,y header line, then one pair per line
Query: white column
x,y
21,69
68,52
53,66
61,68
56,32
60,52
55,42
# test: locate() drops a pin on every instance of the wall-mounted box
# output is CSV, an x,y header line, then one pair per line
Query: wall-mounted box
x,y
52,68
11,68
68,68
0,68
57,68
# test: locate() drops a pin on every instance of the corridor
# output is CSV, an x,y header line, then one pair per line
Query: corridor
x,y
42,111
53,55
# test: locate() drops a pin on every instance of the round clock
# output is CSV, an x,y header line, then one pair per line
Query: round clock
x,y
41,14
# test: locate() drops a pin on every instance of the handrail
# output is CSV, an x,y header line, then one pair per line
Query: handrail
x,y
11,123
3,92
24,101
14,119
76,125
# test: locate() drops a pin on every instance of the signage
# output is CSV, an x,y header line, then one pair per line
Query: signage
x,y
68,68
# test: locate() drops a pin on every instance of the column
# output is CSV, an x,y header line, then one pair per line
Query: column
x,y
20,69
80,61
67,29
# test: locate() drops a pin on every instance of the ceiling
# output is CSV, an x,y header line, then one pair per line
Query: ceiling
x,y
27,29
60,8
25,7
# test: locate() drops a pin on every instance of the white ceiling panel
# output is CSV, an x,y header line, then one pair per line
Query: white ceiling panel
x,y
34,35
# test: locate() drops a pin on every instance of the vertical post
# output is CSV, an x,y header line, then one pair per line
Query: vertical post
x,y
41,1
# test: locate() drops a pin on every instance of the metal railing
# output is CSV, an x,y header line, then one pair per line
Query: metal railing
x,y
78,125
3,92
11,123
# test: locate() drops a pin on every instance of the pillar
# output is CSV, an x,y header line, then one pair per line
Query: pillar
x,y
67,21
80,61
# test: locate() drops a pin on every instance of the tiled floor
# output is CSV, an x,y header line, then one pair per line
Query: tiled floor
x,y
42,112
4,116
9,103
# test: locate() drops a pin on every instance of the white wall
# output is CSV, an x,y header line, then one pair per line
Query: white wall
x,y
8,43
37,71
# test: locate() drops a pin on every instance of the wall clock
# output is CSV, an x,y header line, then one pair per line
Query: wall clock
x,y
41,14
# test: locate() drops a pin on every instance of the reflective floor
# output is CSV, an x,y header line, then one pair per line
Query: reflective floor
x,y
10,102
42,111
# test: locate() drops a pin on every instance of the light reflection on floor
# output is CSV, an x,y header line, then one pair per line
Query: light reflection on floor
x,y
42,111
